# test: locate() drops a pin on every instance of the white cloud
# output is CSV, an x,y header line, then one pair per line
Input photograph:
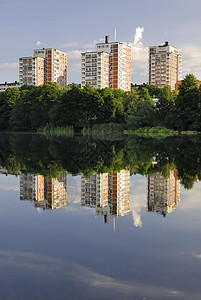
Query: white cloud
x,y
74,54
94,282
74,61
191,199
139,54
10,188
69,45
38,43
197,255
138,199
9,65
92,46
191,56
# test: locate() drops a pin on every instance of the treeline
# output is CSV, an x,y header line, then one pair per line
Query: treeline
x,y
31,108
38,155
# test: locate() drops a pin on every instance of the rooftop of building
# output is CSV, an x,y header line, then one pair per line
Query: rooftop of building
x,y
164,45
50,49
94,52
10,83
111,43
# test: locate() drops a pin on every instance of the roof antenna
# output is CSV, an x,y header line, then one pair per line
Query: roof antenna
x,y
115,34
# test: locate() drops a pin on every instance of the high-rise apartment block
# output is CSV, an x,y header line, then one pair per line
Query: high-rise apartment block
x,y
31,187
45,65
108,66
31,70
165,66
56,191
108,193
46,193
163,193
55,66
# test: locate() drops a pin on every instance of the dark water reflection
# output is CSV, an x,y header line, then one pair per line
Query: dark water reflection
x,y
99,233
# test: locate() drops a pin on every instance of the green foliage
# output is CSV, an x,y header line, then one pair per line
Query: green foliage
x,y
103,130
141,113
154,132
165,107
48,130
36,154
188,105
30,108
7,102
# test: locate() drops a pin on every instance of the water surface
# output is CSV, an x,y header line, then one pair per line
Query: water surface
x,y
96,219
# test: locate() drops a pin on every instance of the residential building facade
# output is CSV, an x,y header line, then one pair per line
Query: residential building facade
x,y
55,65
109,66
46,193
31,70
165,66
6,85
163,193
45,65
108,193
95,69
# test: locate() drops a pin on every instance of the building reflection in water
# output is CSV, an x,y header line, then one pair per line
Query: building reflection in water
x,y
163,193
108,193
47,193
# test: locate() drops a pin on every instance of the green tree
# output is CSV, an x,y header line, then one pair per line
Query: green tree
x,y
43,98
20,114
165,107
187,105
7,101
141,111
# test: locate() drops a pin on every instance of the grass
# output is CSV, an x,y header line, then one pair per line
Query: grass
x,y
103,129
48,130
190,132
154,132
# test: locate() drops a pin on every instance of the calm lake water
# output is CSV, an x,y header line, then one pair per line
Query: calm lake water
x,y
84,218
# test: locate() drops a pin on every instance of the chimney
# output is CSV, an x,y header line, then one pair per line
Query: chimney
x,y
166,43
106,39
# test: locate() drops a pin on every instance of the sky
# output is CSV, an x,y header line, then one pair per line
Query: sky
x,y
75,27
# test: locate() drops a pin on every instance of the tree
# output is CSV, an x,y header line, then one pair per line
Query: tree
x,y
106,106
187,105
7,101
141,110
69,109
165,107
43,98
141,114
20,114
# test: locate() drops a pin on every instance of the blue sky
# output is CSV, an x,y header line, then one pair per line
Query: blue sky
x,y
75,26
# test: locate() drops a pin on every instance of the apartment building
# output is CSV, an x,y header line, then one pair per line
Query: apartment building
x,y
163,193
95,69
108,66
6,85
165,66
45,65
31,70
46,193
94,190
31,187
119,192
55,65
108,193
56,191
